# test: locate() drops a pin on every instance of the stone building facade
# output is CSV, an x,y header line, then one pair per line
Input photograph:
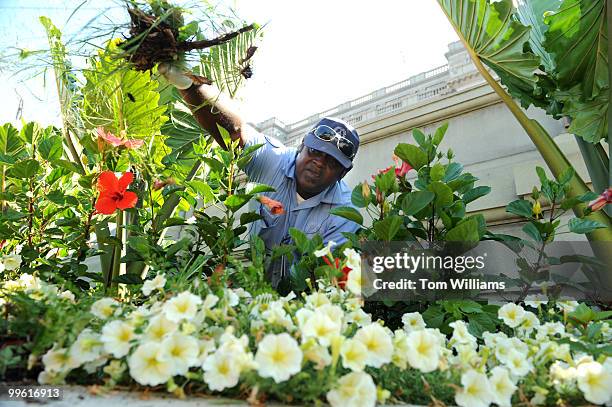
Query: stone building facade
x,y
484,135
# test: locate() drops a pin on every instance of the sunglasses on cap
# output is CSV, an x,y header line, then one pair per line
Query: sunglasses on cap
x,y
326,133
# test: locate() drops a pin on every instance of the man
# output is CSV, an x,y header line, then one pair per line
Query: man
x,y
307,180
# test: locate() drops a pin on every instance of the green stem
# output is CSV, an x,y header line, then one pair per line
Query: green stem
x,y
117,252
609,21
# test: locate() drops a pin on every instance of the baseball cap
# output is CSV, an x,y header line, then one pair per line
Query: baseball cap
x,y
342,129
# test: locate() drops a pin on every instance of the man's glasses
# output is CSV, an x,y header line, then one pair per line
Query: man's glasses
x,y
326,133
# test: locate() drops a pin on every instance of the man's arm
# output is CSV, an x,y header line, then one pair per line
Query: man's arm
x,y
211,108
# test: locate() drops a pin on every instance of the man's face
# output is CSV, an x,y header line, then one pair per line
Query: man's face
x,y
315,171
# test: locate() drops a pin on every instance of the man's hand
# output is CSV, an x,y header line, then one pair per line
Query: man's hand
x,y
174,76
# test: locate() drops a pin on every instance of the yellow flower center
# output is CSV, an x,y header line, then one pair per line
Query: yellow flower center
x,y
278,356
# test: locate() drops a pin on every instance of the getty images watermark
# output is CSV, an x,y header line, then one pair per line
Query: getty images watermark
x,y
488,270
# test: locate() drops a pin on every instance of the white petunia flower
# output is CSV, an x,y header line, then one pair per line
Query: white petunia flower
x,y
321,327
104,308
317,299
159,327
59,360
29,282
530,322
67,295
359,317
517,363
116,337
413,321
157,283
511,314
354,355
11,262
87,348
326,251
278,357
475,391
210,301
221,371
378,342
502,387
567,306
424,350
461,334
183,306
595,381
150,365
356,389
182,351
317,354
353,259
550,329
354,282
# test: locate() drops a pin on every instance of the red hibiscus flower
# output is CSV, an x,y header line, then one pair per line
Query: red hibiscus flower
x,y
275,207
401,169
602,200
114,194
115,141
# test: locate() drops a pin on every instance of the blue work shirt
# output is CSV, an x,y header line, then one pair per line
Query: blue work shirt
x,y
274,164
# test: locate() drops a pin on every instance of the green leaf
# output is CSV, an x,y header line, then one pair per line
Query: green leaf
x,y
419,136
259,188
434,316
128,279
453,170
11,144
497,39
415,201
464,232
437,172
349,213
444,195
51,148
577,37
439,134
357,197
300,239
589,117
385,181
578,225
583,314
24,169
387,228
202,189
532,230
235,202
481,323
249,217
411,154
475,193
520,207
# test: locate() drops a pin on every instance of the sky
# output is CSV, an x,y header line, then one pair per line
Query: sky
x,y
314,54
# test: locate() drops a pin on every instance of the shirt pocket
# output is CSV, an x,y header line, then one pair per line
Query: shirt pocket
x,y
268,219
317,223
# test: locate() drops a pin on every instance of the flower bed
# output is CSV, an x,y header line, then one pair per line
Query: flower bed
x,y
320,347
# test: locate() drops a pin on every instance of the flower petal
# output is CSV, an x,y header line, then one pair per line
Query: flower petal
x,y
106,205
132,144
108,182
125,180
128,200
109,137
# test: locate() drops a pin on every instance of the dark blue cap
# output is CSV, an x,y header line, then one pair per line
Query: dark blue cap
x,y
344,130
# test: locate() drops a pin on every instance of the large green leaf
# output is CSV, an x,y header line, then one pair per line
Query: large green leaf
x,y
589,117
349,213
577,36
498,39
531,13
118,98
